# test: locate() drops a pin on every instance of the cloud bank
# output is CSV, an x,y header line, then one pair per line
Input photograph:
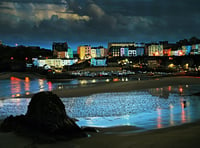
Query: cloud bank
x,y
98,21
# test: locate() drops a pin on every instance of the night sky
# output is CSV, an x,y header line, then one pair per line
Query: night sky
x,y
97,22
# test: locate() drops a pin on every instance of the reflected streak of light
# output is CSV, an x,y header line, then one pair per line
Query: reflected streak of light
x,y
188,112
127,118
171,115
159,118
17,102
183,116
89,100
41,84
50,86
15,85
27,84
27,79
1,103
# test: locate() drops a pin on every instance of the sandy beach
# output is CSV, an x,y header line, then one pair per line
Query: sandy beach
x,y
127,86
182,136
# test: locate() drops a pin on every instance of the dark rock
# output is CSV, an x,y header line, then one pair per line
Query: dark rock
x,y
47,112
12,123
46,117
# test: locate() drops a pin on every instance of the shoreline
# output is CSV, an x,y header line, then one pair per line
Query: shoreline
x,y
132,85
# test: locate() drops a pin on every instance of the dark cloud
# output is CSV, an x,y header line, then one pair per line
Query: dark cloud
x,y
98,21
37,1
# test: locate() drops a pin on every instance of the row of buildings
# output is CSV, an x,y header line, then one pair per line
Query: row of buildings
x,y
132,49
63,55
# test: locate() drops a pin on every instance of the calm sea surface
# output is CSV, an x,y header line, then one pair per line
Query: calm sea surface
x,y
146,109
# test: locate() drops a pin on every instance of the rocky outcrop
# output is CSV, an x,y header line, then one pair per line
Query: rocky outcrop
x,y
45,116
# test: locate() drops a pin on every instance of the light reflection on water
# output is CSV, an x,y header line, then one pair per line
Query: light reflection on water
x,y
16,87
148,109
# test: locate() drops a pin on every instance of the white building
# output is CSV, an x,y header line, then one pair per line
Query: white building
x,y
155,49
54,63
132,53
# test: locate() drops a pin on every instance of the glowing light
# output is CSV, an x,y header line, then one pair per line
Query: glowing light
x,y
181,90
171,65
12,58
157,53
107,80
180,53
60,87
27,79
186,66
27,93
83,82
18,95
115,80
169,88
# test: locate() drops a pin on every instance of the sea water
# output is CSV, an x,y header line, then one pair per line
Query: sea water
x,y
147,109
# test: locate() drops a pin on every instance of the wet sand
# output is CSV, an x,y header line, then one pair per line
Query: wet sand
x,y
127,86
182,136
